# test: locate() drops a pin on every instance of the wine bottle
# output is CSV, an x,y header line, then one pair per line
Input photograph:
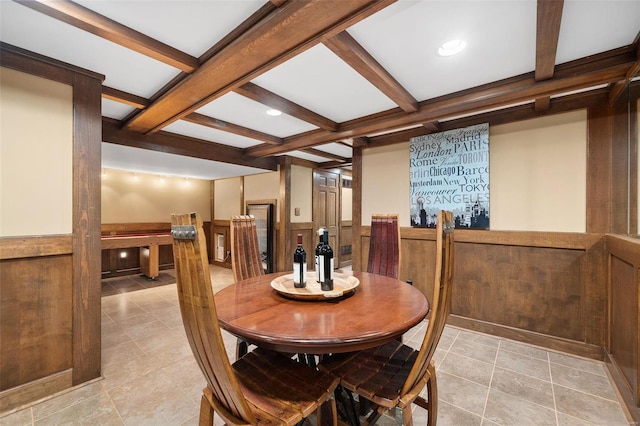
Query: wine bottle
x,y
319,266
327,264
299,265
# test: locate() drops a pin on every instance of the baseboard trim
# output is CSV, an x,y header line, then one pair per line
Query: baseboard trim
x,y
34,390
550,342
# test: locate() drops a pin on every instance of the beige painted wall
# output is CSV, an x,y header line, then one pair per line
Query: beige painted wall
x,y
36,140
385,182
534,165
129,197
263,186
301,194
227,198
347,204
537,165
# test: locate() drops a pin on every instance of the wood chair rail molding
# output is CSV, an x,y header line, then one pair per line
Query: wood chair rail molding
x,y
567,240
134,227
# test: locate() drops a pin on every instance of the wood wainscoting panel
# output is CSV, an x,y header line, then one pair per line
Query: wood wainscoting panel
x,y
531,288
623,347
624,320
35,318
544,288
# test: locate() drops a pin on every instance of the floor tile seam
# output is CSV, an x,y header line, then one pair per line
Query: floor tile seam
x,y
582,371
553,390
527,401
481,344
446,351
468,357
527,356
113,404
458,407
15,410
502,367
493,370
590,394
76,402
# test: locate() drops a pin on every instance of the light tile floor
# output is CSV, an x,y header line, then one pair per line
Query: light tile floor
x,y
151,378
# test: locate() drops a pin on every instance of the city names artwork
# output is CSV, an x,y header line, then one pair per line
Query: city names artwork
x,y
450,171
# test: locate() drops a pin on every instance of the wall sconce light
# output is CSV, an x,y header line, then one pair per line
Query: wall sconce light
x,y
123,255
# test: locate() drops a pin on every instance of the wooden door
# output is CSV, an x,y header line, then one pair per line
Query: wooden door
x,y
326,208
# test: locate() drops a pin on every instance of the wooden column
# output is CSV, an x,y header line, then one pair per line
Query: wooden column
x,y
357,210
284,226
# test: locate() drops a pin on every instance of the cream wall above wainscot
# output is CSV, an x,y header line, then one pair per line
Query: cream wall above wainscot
x,y
227,198
535,165
130,197
263,186
385,182
301,194
36,155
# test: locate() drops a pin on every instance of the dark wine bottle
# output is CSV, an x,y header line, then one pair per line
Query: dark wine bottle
x,y
319,269
327,263
299,265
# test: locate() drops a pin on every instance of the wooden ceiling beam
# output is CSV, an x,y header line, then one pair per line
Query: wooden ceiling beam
x,y
514,90
432,126
618,87
182,145
549,17
265,97
124,97
501,116
351,52
333,164
90,21
286,32
542,104
214,123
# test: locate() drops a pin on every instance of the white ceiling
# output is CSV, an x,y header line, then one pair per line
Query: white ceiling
x,y
403,38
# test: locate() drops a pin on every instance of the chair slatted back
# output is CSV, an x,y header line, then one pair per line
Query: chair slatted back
x,y
441,302
384,245
246,261
199,315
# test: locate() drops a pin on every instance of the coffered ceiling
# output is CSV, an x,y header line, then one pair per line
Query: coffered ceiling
x,y
188,83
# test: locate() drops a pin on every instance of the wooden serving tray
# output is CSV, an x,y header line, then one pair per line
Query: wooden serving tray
x,y
342,285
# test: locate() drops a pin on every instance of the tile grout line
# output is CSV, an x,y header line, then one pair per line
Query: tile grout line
x,y
493,370
553,390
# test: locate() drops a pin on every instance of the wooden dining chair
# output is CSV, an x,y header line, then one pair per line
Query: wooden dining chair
x,y
246,261
384,245
393,375
263,386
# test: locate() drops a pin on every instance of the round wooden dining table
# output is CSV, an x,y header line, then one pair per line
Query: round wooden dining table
x,y
379,310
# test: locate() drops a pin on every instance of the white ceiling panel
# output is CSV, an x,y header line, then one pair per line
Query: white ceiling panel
x,y
190,26
320,81
123,68
421,27
590,27
336,149
187,128
245,112
113,109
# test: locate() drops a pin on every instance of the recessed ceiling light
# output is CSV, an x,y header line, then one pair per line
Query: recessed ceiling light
x,y
451,47
274,112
